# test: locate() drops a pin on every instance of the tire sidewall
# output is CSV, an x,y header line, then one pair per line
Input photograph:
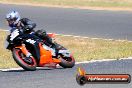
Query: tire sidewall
x,y
67,64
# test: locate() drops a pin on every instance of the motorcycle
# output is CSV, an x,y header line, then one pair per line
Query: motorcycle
x,y
30,52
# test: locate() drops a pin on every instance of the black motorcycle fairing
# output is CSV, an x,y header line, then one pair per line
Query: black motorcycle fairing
x,y
32,44
34,50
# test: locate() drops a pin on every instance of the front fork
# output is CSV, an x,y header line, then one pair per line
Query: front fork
x,y
24,50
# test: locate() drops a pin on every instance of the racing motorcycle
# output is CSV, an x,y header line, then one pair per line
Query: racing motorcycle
x,y
29,52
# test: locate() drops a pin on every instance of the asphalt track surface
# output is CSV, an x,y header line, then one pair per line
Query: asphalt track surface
x,y
64,78
91,23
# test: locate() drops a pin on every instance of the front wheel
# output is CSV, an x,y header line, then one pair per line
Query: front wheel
x,y
66,62
29,64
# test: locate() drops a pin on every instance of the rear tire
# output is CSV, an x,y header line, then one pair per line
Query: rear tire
x,y
67,62
18,59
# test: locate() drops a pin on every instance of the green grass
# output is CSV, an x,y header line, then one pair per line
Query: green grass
x,y
78,3
83,49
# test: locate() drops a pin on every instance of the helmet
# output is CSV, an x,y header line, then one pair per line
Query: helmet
x,y
13,17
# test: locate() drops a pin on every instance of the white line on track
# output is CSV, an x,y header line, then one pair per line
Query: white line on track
x,y
87,37
84,62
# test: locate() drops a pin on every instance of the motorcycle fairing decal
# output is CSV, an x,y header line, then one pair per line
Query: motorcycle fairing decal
x,y
14,34
50,49
66,53
30,41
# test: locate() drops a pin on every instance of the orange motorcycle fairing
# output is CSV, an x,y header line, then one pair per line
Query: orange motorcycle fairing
x,y
46,57
23,49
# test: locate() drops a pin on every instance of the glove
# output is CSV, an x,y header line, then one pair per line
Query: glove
x,y
27,29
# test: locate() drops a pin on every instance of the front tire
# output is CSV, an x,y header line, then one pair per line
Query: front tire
x,y
18,57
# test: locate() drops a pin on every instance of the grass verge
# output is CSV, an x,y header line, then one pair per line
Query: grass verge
x,y
83,49
121,4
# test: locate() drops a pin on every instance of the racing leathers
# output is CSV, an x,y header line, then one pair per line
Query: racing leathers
x,y
27,27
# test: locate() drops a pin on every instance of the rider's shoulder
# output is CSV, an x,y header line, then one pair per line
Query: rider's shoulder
x,y
25,19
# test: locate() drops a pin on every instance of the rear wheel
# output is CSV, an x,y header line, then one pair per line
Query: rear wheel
x,y
28,64
66,62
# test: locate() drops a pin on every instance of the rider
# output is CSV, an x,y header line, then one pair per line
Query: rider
x,y
14,21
